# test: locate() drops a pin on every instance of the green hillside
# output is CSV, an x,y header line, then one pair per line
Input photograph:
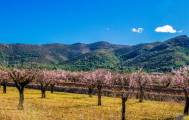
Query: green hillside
x,y
157,56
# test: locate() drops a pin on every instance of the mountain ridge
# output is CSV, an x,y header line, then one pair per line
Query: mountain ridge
x,y
155,56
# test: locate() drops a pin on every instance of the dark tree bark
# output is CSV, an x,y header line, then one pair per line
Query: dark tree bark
x,y
186,107
124,98
52,87
43,94
141,95
44,86
4,84
21,99
43,91
4,89
20,87
99,87
90,90
137,95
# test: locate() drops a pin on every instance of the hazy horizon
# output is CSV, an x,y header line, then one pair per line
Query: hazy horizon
x,y
89,42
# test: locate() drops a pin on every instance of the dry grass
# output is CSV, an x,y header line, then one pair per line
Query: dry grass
x,y
66,106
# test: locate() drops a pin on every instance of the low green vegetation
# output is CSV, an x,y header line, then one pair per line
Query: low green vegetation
x,y
153,57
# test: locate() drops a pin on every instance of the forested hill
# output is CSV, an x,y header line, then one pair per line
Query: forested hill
x,y
157,56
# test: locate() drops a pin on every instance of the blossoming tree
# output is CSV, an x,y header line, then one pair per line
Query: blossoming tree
x,y
101,79
126,84
88,79
182,81
22,78
141,80
4,79
45,78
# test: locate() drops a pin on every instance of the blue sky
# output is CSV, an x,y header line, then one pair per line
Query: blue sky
x,y
87,21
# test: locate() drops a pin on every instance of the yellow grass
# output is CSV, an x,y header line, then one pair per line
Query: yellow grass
x,y
67,106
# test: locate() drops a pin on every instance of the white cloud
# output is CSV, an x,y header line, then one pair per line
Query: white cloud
x,y
137,30
166,29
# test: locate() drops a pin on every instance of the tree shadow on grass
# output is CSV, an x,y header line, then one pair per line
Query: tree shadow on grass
x,y
67,95
180,117
79,97
39,98
78,106
8,109
134,103
61,93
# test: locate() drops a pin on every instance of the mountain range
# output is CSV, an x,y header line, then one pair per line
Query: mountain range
x,y
155,57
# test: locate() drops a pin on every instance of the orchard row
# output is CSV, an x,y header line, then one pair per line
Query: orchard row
x,y
98,79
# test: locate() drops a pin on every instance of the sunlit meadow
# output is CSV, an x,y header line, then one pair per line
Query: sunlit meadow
x,y
68,106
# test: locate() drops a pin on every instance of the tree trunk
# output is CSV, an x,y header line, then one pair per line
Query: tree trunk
x,y
4,84
21,99
90,90
52,88
43,92
99,95
186,106
137,95
141,96
43,95
123,111
4,88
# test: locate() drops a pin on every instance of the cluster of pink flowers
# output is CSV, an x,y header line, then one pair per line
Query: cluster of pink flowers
x,y
181,77
4,75
178,78
45,76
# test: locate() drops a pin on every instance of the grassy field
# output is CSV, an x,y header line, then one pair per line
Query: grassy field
x,y
67,106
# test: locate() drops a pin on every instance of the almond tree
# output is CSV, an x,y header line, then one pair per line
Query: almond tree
x,y
54,80
81,79
165,80
52,85
58,78
182,81
126,84
141,80
73,76
101,78
89,80
4,80
161,82
21,78
44,79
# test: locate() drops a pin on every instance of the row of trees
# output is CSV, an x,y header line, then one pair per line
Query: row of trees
x,y
98,79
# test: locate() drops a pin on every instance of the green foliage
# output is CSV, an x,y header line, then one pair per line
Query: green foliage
x,y
157,56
